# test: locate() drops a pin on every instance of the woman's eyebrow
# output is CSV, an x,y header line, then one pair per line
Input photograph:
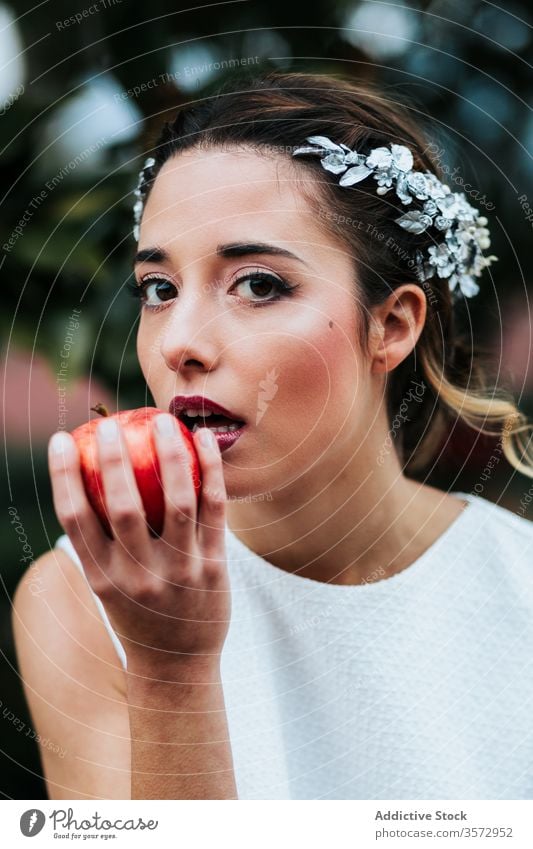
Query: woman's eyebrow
x,y
244,248
150,255
156,254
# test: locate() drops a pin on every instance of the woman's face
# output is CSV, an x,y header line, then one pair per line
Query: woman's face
x,y
286,363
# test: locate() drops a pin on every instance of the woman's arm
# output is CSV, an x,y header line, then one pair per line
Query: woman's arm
x,y
74,683
86,707
180,745
167,598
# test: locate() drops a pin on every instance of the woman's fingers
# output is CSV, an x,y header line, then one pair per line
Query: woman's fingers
x,y
180,498
190,530
72,506
212,513
124,505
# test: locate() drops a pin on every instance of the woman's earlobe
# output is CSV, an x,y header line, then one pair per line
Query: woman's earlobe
x,y
380,364
376,343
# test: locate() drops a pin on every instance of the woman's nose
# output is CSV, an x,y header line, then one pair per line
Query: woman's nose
x,y
188,339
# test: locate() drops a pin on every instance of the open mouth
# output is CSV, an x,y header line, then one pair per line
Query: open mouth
x,y
214,421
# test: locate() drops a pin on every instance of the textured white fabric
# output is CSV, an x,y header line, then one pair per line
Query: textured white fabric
x,y
418,686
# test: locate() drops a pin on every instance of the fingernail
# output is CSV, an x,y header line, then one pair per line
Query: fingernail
x,y
207,438
165,425
107,430
59,443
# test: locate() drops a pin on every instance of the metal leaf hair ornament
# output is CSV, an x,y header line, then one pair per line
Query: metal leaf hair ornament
x,y
459,257
139,194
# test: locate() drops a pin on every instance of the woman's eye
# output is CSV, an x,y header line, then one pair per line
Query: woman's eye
x,y
257,286
153,291
261,284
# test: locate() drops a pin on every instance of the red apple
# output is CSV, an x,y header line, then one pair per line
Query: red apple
x,y
136,425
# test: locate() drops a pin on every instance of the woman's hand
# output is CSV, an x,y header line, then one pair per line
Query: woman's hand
x,y
168,598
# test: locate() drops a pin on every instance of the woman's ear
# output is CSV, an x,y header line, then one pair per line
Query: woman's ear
x,y
396,325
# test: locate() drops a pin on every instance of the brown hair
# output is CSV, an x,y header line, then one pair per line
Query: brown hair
x,y
274,113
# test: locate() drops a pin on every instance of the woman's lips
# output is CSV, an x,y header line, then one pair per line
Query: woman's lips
x,y
181,403
199,402
226,440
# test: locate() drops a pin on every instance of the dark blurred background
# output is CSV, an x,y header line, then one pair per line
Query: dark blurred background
x,y
83,90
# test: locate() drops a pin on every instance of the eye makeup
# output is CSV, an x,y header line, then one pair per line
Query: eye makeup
x,y
255,277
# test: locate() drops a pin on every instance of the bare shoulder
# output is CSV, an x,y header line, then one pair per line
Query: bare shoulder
x,y
53,605
73,680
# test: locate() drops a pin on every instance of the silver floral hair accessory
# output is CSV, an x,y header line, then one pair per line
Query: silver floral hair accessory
x,y
459,258
139,194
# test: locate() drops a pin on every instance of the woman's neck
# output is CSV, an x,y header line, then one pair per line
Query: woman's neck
x,y
351,531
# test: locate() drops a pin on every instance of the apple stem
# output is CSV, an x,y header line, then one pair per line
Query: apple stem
x,y
101,409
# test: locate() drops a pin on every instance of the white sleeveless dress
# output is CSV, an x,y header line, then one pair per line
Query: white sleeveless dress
x,y
418,686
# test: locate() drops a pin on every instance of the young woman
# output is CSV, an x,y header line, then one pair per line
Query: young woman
x,y
323,625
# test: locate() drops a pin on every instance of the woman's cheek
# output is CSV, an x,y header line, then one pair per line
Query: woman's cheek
x,y
312,383
153,366
144,357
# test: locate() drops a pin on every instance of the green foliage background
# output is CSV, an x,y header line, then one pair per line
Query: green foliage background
x,y
467,68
